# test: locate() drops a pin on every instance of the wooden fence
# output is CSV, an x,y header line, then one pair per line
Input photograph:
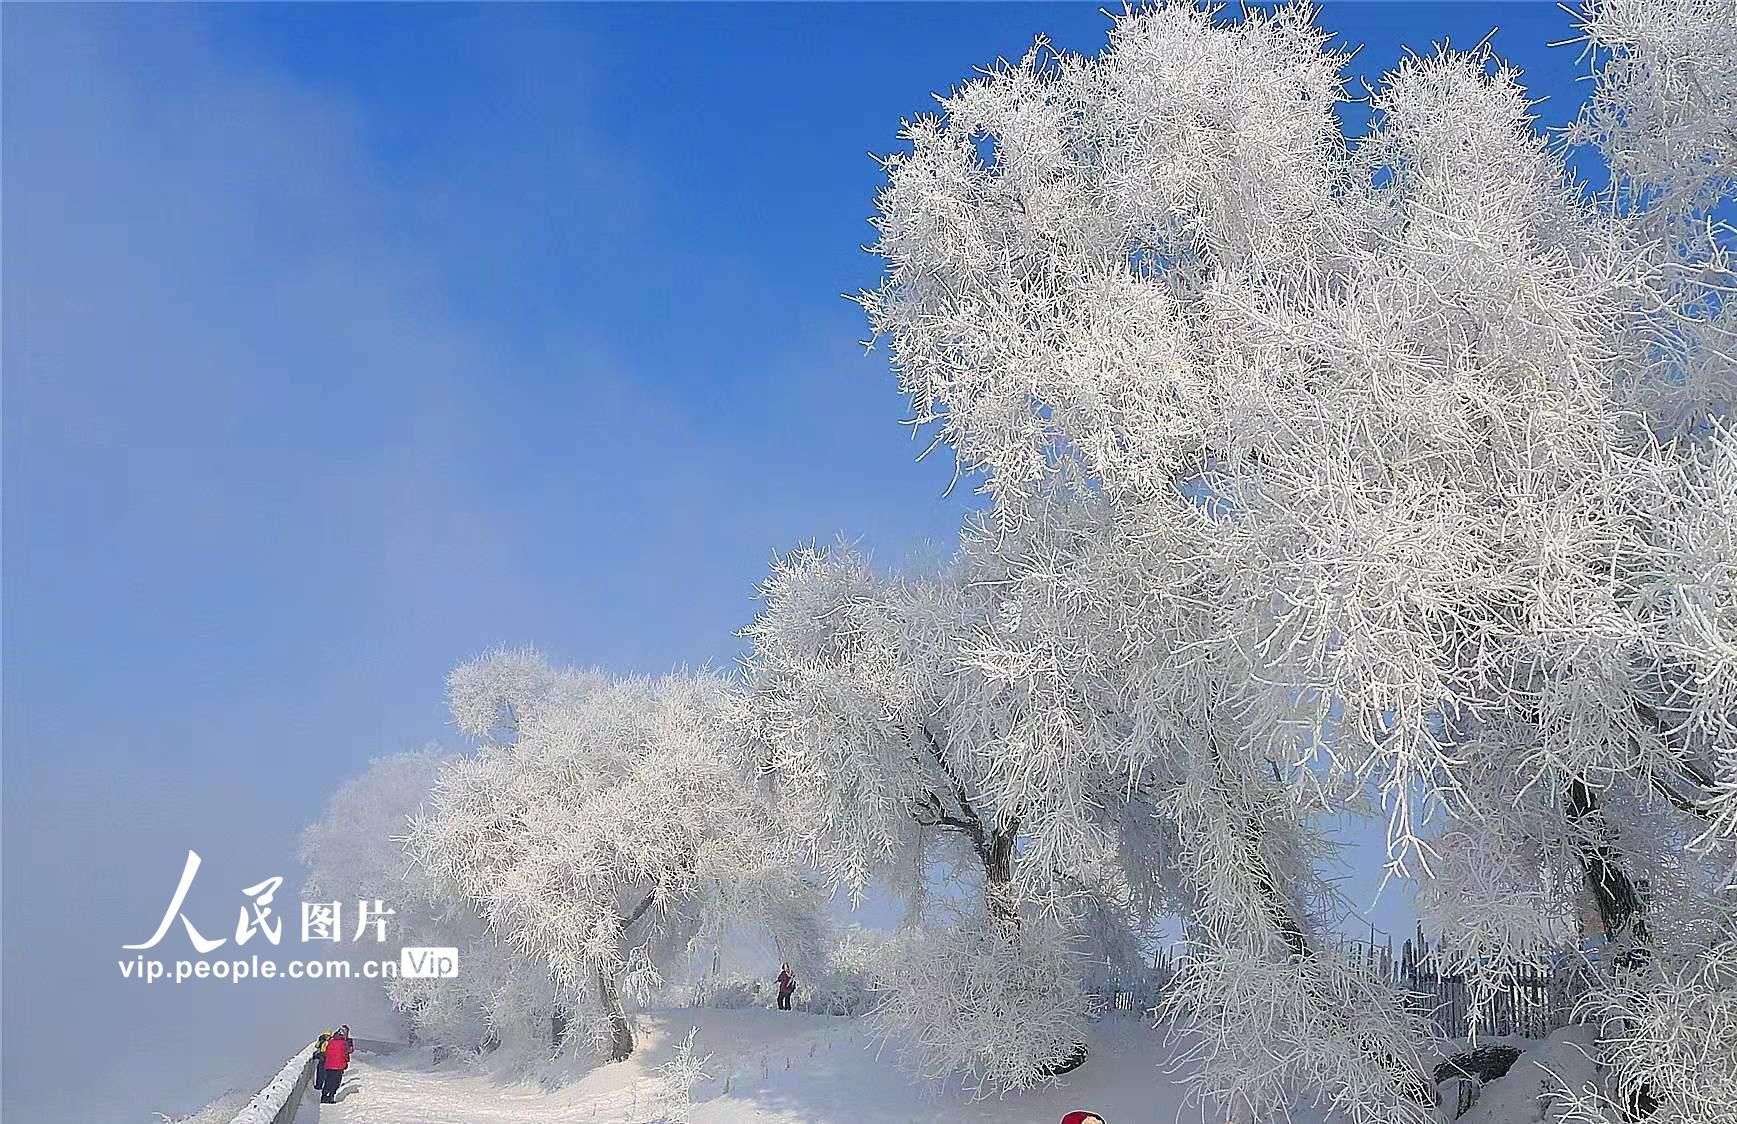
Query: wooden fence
x,y
1528,1001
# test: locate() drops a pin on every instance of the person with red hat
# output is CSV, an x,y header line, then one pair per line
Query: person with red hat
x,y
1082,1117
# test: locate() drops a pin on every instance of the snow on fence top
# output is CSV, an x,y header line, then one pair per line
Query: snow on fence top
x,y
281,1091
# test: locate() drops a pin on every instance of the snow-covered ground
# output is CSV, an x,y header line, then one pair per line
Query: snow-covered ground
x,y
1534,1091
767,1067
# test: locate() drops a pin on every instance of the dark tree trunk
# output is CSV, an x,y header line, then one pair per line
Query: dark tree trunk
x,y
994,849
997,855
621,1032
1621,909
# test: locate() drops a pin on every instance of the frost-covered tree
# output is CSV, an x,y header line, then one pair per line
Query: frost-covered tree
x,y
1406,473
600,827
357,853
845,689
895,737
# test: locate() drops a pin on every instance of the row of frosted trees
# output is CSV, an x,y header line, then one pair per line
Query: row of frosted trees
x,y
1386,476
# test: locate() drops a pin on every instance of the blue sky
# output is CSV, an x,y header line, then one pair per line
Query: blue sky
x,y
342,343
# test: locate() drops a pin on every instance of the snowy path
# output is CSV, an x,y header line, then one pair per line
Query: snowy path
x,y
780,1068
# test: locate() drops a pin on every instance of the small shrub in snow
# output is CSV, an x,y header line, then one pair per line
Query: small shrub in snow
x,y
842,996
676,1079
997,1006
843,984
733,993
846,981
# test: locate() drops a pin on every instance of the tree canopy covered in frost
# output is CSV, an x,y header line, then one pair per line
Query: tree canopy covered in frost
x,y
1322,471
356,853
601,826
356,850
894,736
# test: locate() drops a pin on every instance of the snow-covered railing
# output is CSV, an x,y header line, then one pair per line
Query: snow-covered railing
x,y
282,1096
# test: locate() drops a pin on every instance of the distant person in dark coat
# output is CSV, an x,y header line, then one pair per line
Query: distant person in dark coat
x,y
320,1059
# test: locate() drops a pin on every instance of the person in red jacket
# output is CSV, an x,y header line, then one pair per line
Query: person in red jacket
x,y
786,985
338,1048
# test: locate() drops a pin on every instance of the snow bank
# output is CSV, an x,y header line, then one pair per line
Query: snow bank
x,y
281,1091
1534,1091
